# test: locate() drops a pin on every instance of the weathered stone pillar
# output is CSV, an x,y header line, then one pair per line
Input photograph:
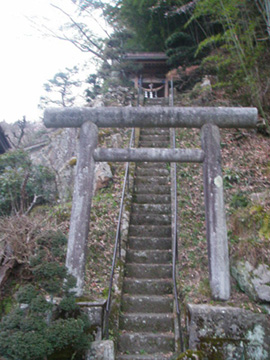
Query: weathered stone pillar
x,y
81,204
218,257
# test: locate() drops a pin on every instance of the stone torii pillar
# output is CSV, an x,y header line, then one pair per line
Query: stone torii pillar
x,y
208,119
215,216
81,204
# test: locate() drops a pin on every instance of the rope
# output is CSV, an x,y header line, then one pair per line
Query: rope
x,y
154,89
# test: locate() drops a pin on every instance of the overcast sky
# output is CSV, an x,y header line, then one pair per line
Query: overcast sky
x,y
29,59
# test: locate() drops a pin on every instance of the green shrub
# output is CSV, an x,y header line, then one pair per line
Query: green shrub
x,y
23,184
45,327
239,200
26,294
61,212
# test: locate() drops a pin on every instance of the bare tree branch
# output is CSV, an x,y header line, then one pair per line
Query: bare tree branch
x,y
81,30
76,43
36,197
98,23
46,31
21,125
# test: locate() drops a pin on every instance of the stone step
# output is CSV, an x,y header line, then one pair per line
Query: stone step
x,y
154,165
151,208
146,342
149,256
152,189
156,356
157,103
150,230
154,144
151,198
155,137
144,243
148,271
152,172
146,322
151,219
152,180
154,131
147,286
144,303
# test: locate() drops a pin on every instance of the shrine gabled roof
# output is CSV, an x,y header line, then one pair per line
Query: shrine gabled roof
x,y
150,56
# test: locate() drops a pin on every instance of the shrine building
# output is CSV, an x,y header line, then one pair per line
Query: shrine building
x,y
152,77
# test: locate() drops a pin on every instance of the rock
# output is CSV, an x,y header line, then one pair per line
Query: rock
x,y
206,83
119,96
261,197
123,89
115,74
101,350
58,156
103,176
116,140
261,282
201,92
34,133
255,282
241,271
97,102
228,333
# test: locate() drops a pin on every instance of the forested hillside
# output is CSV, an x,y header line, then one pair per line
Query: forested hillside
x,y
227,39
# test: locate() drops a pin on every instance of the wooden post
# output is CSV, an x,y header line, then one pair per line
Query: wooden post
x,y
81,204
218,257
166,91
136,82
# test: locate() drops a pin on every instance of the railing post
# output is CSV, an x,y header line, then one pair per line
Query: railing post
x,y
216,228
81,204
172,94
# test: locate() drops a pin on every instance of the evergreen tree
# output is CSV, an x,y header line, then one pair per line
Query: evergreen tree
x,y
60,89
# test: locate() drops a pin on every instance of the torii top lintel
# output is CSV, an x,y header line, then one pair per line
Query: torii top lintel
x,y
150,117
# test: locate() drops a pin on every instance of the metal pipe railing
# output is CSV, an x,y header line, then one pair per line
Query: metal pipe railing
x,y
175,240
117,245
175,252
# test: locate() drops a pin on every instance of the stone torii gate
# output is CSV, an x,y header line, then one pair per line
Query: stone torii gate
x,y
208,119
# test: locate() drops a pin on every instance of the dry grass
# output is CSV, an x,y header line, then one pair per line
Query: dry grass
x,y
246,170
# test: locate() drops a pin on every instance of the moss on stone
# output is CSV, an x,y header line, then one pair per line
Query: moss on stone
x,y
189,354
72,161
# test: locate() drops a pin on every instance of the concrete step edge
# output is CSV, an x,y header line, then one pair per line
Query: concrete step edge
x,y
149,342
144,314
155,356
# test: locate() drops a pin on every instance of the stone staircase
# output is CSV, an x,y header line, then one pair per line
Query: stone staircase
x,y
146,320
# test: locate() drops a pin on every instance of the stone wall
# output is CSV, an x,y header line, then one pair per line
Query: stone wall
x,y
227,333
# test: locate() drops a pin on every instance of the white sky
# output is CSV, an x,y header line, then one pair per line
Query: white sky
x,y
28,59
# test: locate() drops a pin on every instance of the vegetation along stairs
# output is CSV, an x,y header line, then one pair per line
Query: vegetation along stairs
x,y
146,320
